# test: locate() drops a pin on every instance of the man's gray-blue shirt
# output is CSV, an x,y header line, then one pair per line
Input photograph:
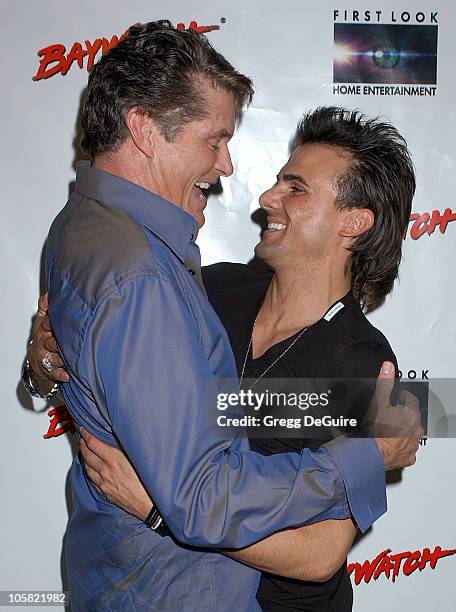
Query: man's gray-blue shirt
x,y
144,350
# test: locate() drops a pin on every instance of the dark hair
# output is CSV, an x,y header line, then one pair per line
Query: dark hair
x,y
158,69
380,177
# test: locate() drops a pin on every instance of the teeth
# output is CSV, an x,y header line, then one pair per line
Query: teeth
x,y
276,226
203,185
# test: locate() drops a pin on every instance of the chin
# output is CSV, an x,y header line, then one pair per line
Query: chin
x,y
270,254
198,215
262,251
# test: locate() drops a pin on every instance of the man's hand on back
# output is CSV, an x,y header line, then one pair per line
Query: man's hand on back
x,y
397,429
44,342
114,477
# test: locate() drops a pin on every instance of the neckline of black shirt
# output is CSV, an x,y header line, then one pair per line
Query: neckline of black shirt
x,y
267,358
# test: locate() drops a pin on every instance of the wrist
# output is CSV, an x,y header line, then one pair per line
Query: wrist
x,y
144,510
155,522
384,448
34,386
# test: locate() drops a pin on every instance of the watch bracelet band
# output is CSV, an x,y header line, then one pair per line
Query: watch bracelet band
x,y
29,382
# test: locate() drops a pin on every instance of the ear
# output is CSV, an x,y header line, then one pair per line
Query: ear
x,y
143,131
356,221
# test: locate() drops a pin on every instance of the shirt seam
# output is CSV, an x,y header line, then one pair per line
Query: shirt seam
x,y
342,352
136,218
111,289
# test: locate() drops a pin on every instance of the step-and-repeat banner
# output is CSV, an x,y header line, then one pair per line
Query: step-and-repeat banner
x,y
396,60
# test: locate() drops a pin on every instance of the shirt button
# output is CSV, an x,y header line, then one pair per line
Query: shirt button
x,y
192,272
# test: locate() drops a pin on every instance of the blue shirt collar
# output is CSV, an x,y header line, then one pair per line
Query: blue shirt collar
x,y
175,227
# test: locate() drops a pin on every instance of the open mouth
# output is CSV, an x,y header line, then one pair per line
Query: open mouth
x,y
200,191
203,185
278,227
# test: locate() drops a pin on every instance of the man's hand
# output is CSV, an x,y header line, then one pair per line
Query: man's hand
x,y
403,422
314,552
44,342
113,475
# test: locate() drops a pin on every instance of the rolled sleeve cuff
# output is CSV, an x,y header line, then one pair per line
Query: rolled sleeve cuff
x,y
361,466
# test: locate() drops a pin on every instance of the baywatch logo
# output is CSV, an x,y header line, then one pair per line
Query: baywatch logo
x,y
61,422
55,59
392,565
428,222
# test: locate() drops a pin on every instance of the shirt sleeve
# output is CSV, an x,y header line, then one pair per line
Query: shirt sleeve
x,y
148,371
362,360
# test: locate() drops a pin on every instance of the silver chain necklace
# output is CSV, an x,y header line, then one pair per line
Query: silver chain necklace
x,y
293,342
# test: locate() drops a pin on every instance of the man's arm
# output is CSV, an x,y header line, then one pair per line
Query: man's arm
x,y
143,361
313,552
146,367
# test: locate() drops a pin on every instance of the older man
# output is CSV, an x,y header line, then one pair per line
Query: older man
x,y
144,349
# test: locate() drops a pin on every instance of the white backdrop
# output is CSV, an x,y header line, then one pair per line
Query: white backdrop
x,y
287,48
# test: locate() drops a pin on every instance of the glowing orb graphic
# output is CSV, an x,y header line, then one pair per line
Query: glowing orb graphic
x,y
386,57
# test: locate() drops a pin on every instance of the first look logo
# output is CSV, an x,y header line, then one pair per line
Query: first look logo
x,y
369,53
55,59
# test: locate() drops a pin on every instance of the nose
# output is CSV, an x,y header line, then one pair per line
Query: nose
x,y
224,164
270,199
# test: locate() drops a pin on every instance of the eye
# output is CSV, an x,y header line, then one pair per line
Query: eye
x,y
296,189
215,146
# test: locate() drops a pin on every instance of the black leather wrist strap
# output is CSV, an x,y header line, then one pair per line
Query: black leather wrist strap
x,y
155,522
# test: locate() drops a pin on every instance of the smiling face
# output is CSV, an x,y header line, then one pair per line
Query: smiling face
x,y
303,220
198,156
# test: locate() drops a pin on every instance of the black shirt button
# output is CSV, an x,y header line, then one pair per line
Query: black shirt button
x,y
192,272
